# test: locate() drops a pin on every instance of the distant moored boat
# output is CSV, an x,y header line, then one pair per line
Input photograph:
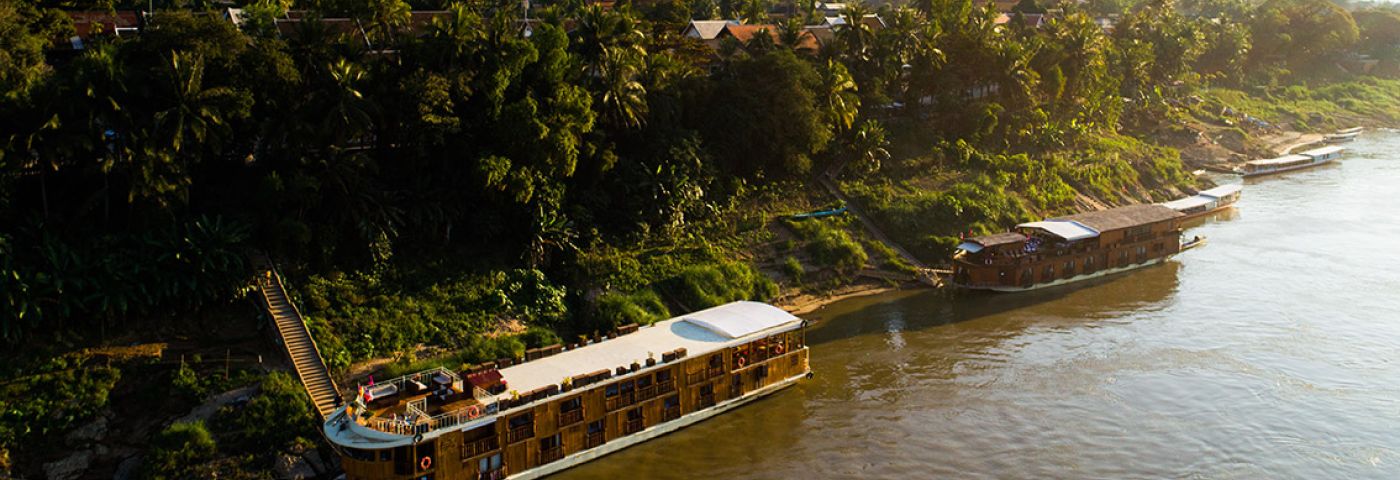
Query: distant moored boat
x,y
1308,159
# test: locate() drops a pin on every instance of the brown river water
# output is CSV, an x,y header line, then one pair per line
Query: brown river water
x,y
1271,352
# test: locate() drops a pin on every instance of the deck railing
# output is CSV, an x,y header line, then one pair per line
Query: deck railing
x,y
551,454
621,400
671,413
481,447
632,426
593,439
492,474
570,417
520,433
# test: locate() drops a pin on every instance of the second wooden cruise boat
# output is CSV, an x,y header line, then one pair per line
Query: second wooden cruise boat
x,y
563,407
1068,249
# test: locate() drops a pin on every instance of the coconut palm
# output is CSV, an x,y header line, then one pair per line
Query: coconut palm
x,y
839,101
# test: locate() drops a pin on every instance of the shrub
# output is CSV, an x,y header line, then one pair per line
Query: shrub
x,y
793,268
835,248
276,417
643,307
179,451
535,337
704,286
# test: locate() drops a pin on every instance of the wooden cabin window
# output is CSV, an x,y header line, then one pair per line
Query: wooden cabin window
x,y
635,422
488,465
611,390
664,383
360,454
716,361
404,463
571,404
551,449
477,441
521,427
595,434
570,411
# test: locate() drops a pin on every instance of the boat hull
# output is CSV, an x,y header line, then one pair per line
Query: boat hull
x,y
686,420
1064,281
1286,169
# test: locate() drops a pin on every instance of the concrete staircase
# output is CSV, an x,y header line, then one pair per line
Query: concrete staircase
x,y
301,348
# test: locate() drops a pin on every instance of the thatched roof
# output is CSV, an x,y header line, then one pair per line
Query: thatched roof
x,y
1122,217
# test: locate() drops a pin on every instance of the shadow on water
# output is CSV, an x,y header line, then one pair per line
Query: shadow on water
x,y
1089,299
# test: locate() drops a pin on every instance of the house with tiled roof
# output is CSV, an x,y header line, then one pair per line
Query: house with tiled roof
x,y
88,25
806,41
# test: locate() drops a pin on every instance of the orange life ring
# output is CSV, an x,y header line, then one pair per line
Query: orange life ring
x,y
778,349
740,362
473,412
426,463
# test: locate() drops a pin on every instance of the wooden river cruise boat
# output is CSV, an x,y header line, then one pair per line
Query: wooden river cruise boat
x,y
1068,249
564,407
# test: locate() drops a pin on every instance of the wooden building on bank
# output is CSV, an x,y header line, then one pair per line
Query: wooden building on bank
x,y
1068,249
570,406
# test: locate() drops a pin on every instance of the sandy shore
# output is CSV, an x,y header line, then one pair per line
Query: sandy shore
x,y
805,303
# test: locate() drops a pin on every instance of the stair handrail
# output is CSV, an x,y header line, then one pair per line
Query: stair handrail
x,y
276,279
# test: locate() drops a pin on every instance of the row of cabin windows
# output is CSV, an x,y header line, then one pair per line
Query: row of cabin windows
x,y
644,381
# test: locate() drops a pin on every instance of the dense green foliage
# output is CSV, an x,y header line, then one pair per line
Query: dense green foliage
x,y
276,417
179,451
603,127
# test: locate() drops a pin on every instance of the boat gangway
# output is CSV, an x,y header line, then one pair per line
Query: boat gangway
x,y
301,348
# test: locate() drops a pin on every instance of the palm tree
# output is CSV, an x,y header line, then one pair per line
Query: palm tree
x,y
345,112
855,34
868,146
194,117
609,45
620,94
840,103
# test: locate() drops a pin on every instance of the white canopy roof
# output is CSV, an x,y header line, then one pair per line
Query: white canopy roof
x,y
1068,230
1283,159
1318,152
970,247
740,319
1223,190
1189,202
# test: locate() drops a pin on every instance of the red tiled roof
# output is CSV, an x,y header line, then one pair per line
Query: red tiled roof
x,y
745,33
89,23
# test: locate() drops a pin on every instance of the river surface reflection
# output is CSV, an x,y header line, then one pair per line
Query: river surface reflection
x,y
1271,352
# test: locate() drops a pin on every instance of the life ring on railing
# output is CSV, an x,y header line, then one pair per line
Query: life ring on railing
x,y
426,463
740,361
778,349
473,412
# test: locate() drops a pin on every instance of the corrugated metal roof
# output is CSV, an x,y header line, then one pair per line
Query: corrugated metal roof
x,y
1068,230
